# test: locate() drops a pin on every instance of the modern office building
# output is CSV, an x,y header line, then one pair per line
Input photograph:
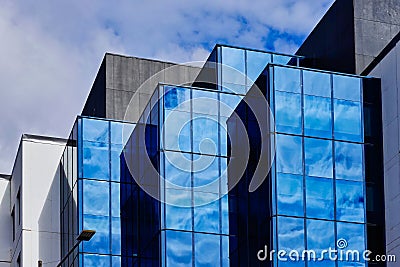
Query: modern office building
x,y
205,165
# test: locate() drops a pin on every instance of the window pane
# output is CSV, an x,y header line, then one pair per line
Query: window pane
x,y
116,151
100,242
96,160
281,59
177,131
206,217
317,83
287,79
95,130
289,154
290,233
204,102
207,248
174,173
96,197
205,172
288,112
116,236
177,98
318,157
178,218
317,241
346,87
354,235
290,194
96,260
317,116
347,120
256,63
179,249
350,201
349,161
205,134
319,194
233,66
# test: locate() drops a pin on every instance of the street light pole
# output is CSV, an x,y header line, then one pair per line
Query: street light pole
x,y
85,235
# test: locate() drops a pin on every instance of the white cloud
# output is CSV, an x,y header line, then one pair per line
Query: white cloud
x,y
50,50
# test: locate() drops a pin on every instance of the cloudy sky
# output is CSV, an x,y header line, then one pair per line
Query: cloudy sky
x,y
50,51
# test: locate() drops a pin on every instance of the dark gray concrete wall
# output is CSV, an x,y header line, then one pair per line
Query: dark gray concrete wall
x,y
389,71
376,22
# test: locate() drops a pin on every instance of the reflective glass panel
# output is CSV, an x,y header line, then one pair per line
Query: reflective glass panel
x,y
100,242
96,197
281,59
116,235
256,63
116,151
96,160
288,112
206,171
354,235
178,249
206,217
347,87
347,120
177,98
317,241
233,66
177,168
115,199
207,248
290,194
350,201
205,134
349,161
317,83
317,116
319,197
179,218
289,154
96,260
95,130
176,130
204,102
287,79
291,234
318,157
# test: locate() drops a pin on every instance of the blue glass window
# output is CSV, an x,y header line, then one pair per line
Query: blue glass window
x,y
174,171
349,161
347,120
206,171
205,134
206,217
319,197
233,66
354,235
96,160
289,154
317,116
281,59
350,201
347,87
96,260
256,63
95,130
318,157
177,98
116,151
317,241
116,235
178,249
96,197
177,131
178,218
100,242
204,102
207,248
290,233
115,199
290,194
287,79
317,83
288,112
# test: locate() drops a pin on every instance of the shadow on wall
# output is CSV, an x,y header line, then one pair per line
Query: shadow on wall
x,y
6,226
49,236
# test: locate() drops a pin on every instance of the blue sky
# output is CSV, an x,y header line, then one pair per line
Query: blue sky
x,y
50,50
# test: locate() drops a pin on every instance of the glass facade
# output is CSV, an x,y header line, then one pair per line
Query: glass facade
x,y
156,191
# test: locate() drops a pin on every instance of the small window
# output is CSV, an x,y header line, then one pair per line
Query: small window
x,y
19,207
